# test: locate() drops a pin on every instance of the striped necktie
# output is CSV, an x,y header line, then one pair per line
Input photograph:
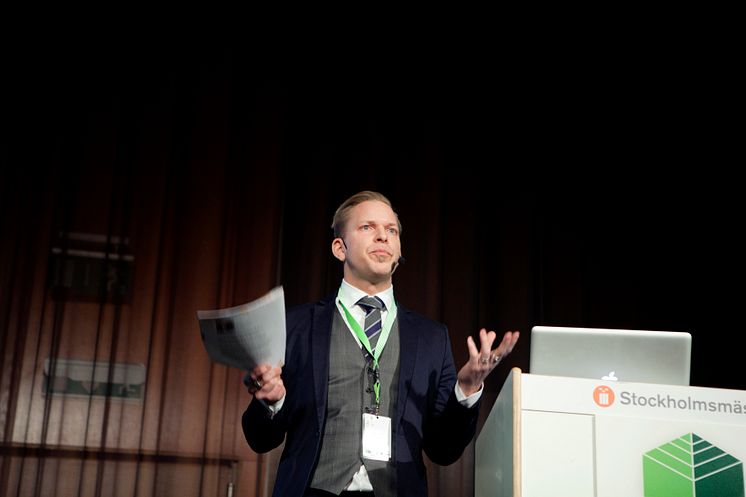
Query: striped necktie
x,y
372,326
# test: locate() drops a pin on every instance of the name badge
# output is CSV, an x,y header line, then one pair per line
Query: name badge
x,y
376,437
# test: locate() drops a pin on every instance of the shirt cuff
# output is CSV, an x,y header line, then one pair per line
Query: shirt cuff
x,y
471,399
272,409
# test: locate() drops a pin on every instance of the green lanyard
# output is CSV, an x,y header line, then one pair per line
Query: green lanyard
x,y
385,331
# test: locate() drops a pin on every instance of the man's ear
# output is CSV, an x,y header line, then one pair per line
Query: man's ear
x,y
338,249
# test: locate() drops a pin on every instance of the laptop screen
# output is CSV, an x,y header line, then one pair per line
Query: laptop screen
x,y
641,356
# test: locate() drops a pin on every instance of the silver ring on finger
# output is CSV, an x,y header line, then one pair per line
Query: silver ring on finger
x,y
257,384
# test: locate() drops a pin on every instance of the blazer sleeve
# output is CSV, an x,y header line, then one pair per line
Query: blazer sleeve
x,y
449,426
262,431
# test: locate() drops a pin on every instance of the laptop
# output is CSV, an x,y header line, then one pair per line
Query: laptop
x,y
641,356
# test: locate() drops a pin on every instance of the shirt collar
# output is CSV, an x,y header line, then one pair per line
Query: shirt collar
x,y
350,295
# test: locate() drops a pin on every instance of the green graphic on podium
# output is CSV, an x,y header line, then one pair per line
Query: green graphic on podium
x,y
690,466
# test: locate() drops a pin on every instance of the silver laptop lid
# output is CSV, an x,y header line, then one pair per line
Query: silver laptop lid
x,y
642,356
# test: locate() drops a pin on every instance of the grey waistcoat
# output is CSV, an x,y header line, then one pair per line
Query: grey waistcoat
x,y
341,447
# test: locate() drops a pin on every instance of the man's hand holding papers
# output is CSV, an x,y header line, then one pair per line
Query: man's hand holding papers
x,y
251,337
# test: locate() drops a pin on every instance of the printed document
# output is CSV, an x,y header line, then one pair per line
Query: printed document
x,y
246,335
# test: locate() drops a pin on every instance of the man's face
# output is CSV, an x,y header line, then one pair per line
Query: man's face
x,y
371,236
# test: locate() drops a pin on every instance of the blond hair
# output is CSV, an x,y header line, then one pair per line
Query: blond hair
x,y
343,211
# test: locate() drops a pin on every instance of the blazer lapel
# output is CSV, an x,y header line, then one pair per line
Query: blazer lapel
x,y
409,338
321,333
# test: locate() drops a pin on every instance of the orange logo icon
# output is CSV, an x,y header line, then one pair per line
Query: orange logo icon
x,y
603,396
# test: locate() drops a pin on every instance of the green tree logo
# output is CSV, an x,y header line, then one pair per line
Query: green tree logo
x,y
690,466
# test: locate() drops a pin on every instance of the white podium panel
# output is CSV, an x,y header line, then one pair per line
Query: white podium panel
x,y
574,437
549,438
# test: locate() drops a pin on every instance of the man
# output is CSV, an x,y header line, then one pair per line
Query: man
x,y
367,385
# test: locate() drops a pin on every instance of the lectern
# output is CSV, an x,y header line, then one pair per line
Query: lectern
x,y
550,436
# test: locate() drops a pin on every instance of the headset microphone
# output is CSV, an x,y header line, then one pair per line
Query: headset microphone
x,y
395,265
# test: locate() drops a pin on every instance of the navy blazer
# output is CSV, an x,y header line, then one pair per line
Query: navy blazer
x,y
428,416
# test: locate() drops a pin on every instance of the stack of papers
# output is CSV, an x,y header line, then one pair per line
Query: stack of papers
x,y
247,335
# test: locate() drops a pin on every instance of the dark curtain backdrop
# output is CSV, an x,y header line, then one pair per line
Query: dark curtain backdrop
x,y
556,199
